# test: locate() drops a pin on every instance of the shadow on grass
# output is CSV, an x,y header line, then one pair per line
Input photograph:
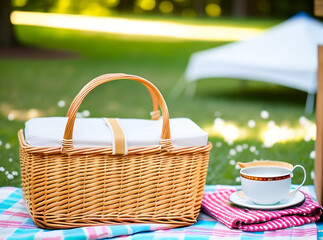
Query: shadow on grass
x,y
250,91
29,52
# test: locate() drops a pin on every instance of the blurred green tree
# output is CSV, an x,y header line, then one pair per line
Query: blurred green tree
x,y
189,8
7,36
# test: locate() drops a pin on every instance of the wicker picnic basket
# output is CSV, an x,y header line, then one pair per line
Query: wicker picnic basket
x,y
67,187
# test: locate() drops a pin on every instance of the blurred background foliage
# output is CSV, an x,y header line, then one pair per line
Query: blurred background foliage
x,y
184,8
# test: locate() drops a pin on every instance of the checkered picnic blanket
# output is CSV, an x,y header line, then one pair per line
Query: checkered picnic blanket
x,y
217,204
15,223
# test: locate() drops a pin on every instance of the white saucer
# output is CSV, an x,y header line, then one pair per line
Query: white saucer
x,y
238,198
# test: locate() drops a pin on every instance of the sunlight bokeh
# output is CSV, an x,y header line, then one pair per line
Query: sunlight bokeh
x,y
213,10
229,131
274,133
269,133
166,6
146,4
145,28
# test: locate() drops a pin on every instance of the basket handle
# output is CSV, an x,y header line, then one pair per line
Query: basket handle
x,y
155,114
67,143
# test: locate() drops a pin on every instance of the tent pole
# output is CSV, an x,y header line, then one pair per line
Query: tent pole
x,y
179,87
309,106
318,166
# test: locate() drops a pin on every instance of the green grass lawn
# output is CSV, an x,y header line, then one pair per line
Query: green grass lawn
x,y
41,83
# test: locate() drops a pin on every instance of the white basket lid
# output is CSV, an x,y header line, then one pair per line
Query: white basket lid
x,y
94,132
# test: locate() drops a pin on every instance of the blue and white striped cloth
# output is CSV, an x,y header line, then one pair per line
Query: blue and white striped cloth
x,y
16,224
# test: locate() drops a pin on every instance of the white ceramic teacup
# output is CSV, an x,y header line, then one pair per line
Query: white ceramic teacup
x,y
268,184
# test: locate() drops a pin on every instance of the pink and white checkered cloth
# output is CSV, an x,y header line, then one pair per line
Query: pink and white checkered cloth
x,y
217,205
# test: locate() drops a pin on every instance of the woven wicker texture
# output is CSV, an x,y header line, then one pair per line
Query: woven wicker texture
x,y
74,187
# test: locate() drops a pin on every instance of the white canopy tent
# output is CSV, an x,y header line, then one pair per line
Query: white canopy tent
x,y
285,54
